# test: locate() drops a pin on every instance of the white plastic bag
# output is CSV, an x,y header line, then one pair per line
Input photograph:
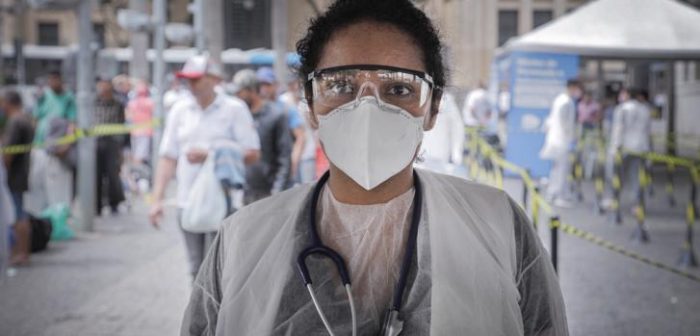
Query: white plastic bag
x,y
7,218
7,206
206,205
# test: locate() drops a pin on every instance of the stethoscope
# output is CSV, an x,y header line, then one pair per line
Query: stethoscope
x,y
392,325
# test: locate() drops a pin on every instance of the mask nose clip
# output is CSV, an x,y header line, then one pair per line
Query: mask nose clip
x,y
362,93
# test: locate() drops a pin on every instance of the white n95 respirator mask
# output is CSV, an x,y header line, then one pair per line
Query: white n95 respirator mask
x,y
369,140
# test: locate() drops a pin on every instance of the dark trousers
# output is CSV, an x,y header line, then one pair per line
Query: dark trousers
x,y
108,180
630,182
196,244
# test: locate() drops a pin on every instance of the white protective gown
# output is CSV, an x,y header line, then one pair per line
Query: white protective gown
x,y
445,142
560,126
478,269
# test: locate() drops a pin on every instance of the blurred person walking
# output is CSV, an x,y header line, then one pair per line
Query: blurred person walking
x,y
443,146
175,93
643,97
271,174
477,109
51,169
560,127
108,110
589,112
18,130
268,83
122,88
589,118
269,88
194,128
477,113
631,133
305,164
139,111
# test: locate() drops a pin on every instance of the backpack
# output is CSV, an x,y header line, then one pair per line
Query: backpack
x,y
41,233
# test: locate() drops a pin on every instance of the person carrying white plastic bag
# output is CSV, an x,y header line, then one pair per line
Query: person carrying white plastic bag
x,y
206,205
196,126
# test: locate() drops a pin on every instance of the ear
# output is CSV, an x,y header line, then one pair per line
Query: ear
x,y
434,109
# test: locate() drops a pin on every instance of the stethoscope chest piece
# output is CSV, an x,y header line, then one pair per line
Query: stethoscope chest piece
x,y
392,324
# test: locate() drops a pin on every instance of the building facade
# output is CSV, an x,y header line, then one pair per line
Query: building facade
x,y
472,29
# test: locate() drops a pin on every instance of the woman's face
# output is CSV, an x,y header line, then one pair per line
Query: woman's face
x,y
369,43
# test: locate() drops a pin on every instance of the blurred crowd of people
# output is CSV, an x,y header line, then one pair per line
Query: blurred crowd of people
x,y
203,110
264,118
578,122
44,176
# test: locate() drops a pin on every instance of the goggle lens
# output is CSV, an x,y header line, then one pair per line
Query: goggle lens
x,y
406,90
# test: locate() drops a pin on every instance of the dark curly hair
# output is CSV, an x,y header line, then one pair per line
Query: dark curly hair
x,y
399,13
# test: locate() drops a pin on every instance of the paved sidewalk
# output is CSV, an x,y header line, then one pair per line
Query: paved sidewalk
x,y
609,294
126,279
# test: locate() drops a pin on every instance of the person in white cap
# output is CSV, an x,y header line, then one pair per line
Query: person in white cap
x,y
194,128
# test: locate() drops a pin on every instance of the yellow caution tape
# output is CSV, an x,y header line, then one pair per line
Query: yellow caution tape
x,y
668,159
96,131
690,214
587,236
540,203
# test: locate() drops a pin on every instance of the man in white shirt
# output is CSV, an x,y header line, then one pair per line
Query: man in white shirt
x,y
560,127
195,127
631,133
477,109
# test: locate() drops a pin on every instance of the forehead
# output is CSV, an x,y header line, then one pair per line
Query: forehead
x,y
370,42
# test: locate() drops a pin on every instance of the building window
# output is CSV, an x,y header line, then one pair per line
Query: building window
x,y
248,24
507,25
47,33
540,17
99,34
697,71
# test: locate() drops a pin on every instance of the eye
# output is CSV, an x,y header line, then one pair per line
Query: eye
x,y
338,87
400,90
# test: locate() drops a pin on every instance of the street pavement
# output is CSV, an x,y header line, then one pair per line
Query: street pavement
x,y
610,294
127,279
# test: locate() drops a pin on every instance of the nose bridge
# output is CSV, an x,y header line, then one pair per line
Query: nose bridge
x,y
367,88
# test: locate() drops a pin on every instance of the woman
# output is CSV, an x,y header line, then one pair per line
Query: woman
x,y
139,111
417,253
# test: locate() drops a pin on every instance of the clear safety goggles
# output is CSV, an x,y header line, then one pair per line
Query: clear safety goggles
x,y
408,89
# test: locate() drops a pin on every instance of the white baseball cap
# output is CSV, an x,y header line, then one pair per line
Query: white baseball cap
x,y
198,66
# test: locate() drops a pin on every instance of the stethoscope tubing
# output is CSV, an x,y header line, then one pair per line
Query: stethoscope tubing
x,y
317,246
